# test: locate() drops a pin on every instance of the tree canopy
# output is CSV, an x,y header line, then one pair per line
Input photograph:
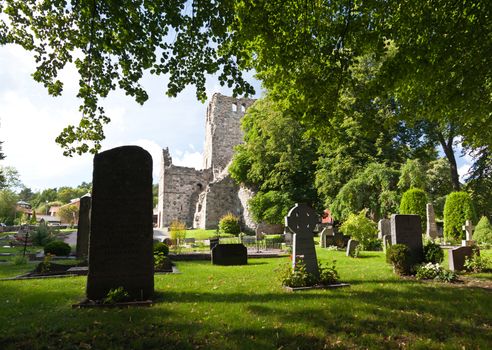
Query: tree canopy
x,y
432,57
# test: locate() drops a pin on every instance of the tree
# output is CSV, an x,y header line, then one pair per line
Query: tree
x,y
373,190
277,160
412,175
433,56
479,181
483,231
69,213
11,178
8,204
112,45
414,201
457,209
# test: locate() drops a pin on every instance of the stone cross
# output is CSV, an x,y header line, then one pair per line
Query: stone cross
x,y
302,220
431,231
468,228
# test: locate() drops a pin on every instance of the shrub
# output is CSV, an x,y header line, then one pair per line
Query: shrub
x,y
161,248
476,263
433,253
414,201
457,209
42,235
361,228
177,231
328,274
19,260
399,256
297,277
116,295
436,272
483,231
162,262
58,248
229,223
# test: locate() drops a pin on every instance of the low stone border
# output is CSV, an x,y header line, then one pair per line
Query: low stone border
x,y
329,286
93,304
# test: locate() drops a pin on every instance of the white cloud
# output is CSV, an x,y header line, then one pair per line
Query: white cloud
x,y
30,120
189,159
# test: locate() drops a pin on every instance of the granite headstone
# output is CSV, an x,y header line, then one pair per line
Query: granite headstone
x,y
406,229
431,231
351,246
120,243
384,228
229,254
323,236
83,227
302,220
457,257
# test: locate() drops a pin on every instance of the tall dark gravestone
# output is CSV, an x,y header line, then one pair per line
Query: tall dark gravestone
x,y
406,229
302,220
83,227
120,244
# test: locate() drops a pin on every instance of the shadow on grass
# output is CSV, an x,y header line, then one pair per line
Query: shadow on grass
x,y
391,316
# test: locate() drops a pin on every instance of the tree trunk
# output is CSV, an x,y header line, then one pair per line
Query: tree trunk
x,y
447,146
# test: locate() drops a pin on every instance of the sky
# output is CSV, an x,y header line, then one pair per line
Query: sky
x,y
30,120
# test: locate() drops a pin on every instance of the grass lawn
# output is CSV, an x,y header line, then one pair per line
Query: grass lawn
x,y
244,307
201,234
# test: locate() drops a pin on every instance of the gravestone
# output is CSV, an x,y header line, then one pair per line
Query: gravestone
x,y
406,229
323,236
457,257
468,228
351,246
213,243
431,231
83,227
301,220
120,243
384,228
229,254
386,242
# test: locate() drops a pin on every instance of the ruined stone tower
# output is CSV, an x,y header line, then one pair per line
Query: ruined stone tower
x,y
201,197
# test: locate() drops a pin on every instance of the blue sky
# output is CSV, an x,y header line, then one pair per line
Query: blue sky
x,y
30,120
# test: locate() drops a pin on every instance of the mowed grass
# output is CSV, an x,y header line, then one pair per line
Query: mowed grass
x,y
244,307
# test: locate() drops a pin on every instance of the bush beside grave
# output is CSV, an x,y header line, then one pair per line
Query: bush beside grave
x,y
457,209
360,228
162,248
483,231
433,253
299,277
58,248
229,223
435,272
414,201
399,256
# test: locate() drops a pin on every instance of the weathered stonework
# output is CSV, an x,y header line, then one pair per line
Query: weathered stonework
x,y
201,197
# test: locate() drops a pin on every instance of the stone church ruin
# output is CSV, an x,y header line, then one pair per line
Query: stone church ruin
x,y
200,198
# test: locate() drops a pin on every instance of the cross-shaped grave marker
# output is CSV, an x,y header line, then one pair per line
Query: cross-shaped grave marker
x,y
302,220
468,228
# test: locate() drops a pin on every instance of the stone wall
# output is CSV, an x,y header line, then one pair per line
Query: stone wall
x,y
179,189
201,197
223,130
